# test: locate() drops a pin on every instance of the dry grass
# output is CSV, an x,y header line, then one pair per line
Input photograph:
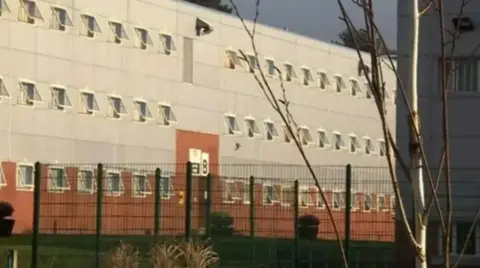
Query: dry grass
x,y
124,256
184,254
166,255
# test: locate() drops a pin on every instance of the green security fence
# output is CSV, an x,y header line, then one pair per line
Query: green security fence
x,y
76,230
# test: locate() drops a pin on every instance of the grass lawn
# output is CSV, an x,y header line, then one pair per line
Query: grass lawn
x,y
78,251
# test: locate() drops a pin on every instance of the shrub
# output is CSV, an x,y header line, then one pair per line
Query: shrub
x,y
6,209
308,227
221,223
124,256
195,254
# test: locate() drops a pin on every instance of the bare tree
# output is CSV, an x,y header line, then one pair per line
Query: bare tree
x,y
416,166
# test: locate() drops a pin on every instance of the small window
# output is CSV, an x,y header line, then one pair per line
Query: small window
x,y
3,90
271,70
354,201
60,19
338,200
89,26
114,185
368,91
287,136
354,88
86,181
367,202
25,179
28,12
166,187
168,46
60,99
166,115
140,185
289,72
117,108
287,195
382,149
142,39
269,194
339,142
393,205
252,63
382,203
320,201
232,60
28,94
142,111
394,97
305,197
305,135
354,145
230,191
369,147
3,181
3,7
89,103
339,84
57,180
231,124
323,140
463,75
307,77
252,127
117,32
246,191
323,82
270,130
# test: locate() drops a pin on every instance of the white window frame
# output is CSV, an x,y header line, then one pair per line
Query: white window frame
x,y
51,183
341,147
319,199
251,62
382,149
23,93
323,80
454,83
162,118
307,77
3,180
341,204
392,203
322,137
142,33
114,35
231,130
352,138
271,132
25,12
355,89
108,190
274,198
4,7
166,195
84,94
138,114
147,191
253,129
283,199
166,48
289,73
339,84
306,138
270,62
4,94
56,22
364,207
227,191
287,136
113,112
454,242
19,178
90,27
55,101
246,191
379,196
81,187
305,190
233,58
369,147
354,200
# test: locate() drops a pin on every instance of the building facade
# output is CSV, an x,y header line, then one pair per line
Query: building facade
x,y
463,89
147,81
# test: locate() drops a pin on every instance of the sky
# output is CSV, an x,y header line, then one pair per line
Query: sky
x,y
320,18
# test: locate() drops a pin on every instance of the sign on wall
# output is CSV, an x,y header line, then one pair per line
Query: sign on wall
x,y
200,162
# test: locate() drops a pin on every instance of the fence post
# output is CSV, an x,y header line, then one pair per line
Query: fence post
x,y
158,207
348,211
208,204
188,200
296,250
36,212
99,214
251,192
12,258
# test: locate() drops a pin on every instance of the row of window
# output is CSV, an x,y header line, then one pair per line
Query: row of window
x,y
29,12
321,80
308,196
338,143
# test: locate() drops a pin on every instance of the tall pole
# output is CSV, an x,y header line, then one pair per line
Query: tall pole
x,y
416,169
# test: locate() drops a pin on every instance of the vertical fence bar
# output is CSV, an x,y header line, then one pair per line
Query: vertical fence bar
x,y
348,211
251,192
99,214
188,200
296,250
12,258
158,207
36,212
208,205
